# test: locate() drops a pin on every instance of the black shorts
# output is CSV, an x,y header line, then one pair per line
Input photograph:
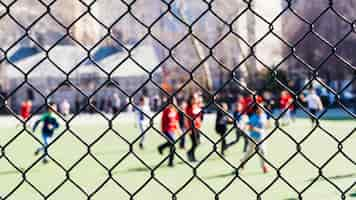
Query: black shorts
x,y
47,133
221,129
313,111
115,110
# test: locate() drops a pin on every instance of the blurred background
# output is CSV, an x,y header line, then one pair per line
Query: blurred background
x,y
153,47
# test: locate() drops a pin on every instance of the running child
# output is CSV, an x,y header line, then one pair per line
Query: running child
x,y
286,104
257,132
116,104
143,121
270,103
50,124
244,109
222,120
202,112
193,123
65,108
183,107
314,103
25,110
240,118
170,127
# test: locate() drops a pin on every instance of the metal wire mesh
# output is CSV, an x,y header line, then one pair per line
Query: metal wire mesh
x,y
205,50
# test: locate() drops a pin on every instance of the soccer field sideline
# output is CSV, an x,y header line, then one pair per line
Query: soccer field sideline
x,y
8,121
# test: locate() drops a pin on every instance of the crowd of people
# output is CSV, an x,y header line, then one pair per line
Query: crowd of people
x,y
183,118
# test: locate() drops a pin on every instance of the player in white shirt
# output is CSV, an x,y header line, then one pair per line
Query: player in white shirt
x,y
65,107
314,103
143,121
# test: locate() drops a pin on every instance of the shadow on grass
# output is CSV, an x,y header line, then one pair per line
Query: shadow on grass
x,y
116,152
221,175
145,169
164,165
233,174
9,172
337,177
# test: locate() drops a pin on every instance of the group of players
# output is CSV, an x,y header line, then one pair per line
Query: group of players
x,y
250,117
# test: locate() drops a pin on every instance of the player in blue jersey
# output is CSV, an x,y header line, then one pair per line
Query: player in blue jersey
x,y
256,132
50,124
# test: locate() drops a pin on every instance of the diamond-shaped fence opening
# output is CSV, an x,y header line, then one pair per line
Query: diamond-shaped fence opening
x,y
7,21
68,19
174,99
27,18
52,36
86,179
114,11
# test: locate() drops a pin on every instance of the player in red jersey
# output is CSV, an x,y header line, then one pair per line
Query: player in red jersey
x,y
26,108
244,108
25,111
193,123
247,103
286,104
170,127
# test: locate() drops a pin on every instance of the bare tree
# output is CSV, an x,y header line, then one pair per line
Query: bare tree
x,y
199,51
239,52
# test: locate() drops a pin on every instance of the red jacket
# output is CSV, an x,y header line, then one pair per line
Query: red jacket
x,y
170,120
246,104
194,113
26,108
286,102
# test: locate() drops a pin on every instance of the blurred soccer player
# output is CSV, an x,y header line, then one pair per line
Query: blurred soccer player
x,y
65,108
25,110
193,123
314,103
270,104
142,120
240,117
248,103
50,124
170,127
245,108
256,125
222,120
116,104
200,103
183,107
286,104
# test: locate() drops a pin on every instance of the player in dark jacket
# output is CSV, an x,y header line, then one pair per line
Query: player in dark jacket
x,y
222,120
50,124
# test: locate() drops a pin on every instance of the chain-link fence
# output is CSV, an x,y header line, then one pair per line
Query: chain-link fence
x,y
257,68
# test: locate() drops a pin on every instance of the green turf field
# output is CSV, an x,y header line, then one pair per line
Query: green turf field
x,y
215,172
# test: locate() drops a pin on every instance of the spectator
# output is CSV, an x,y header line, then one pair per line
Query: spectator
x,y
314,103
116,103
65,107
77,104
182,118
3,101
